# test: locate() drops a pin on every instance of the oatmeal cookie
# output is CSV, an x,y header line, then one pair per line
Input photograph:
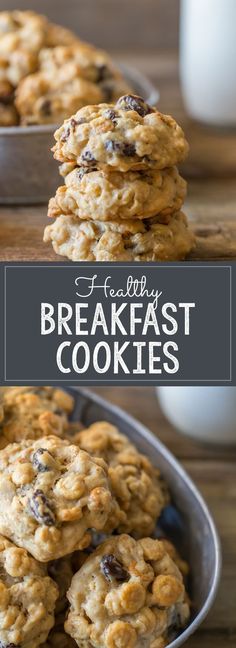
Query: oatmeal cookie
x,y
135,483
80,59
121,240
41,99
27,598
34,412
128,594
126,135
85,61
97,195
22,35
51,493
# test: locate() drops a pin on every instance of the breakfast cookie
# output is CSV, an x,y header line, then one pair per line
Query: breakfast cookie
x,y
27,598
126,135
129,594
120,240
135,483
80,59
22,35
33,412
93,194
51,494
41,99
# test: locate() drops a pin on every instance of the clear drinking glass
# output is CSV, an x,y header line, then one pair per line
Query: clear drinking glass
x,y
208,60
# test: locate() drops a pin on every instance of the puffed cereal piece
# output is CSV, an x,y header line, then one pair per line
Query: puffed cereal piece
x,y
129,594
51,494
27,598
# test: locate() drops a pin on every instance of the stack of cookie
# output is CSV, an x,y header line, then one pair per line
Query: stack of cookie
x,y
122,192
64,579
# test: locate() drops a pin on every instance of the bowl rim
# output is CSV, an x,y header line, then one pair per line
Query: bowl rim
x,y
170,458
129,71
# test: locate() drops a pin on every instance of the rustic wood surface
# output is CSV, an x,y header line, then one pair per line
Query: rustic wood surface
x,y
210,170
213,470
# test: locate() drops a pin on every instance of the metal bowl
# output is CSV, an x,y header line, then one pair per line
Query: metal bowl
x,y
187,521
29,174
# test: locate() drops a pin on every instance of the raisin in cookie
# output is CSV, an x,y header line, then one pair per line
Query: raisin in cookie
x,y
128,594
33,412
51,493
41,99
27,598
126,135
135,483
93,194
121,240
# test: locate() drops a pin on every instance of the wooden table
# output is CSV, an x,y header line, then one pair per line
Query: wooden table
x,y
210,170
214,472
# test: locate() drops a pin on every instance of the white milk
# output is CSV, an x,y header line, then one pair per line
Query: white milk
x,y
208,60
204,413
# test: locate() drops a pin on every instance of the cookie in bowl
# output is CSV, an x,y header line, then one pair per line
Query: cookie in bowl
x,y
136,484
33,412
51,494
128,593
27,598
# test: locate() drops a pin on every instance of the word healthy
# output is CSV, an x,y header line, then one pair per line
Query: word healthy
x,y
117,334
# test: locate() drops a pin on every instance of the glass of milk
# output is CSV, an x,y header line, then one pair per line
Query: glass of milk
x,y
203,413
208,60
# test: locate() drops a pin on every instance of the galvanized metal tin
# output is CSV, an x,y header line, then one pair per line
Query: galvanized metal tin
x,y
187,521
28,172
